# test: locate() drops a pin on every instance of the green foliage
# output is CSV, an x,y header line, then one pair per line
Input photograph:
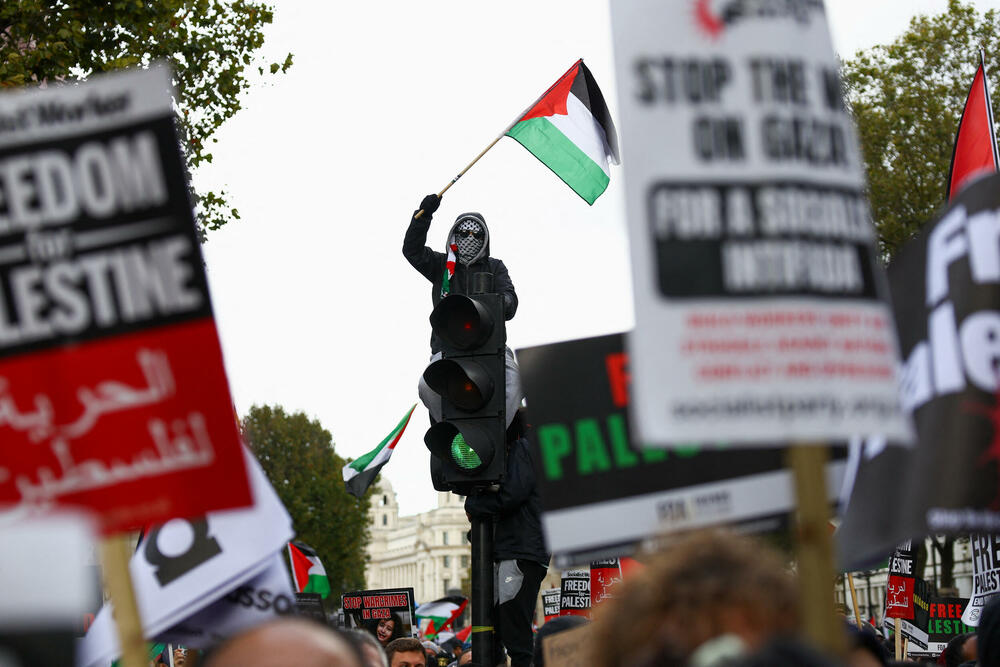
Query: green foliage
x,y
907,98
209,44
298,456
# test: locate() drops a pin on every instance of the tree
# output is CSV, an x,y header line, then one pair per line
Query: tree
x,y
209,44
906,98
298,457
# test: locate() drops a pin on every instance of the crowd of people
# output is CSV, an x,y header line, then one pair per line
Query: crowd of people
x,y
709,599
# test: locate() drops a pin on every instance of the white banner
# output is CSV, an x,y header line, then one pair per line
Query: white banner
x,y
760,303
182,566
257,601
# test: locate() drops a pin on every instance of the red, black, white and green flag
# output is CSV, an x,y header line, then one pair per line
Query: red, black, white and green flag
x,y
360,473
307,570
570,130
975,151
442,611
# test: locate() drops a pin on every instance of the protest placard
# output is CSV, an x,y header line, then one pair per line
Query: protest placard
x,y
259,600
182,566
311,606
602,492
945,622
46,587
899,586
574,599
604,574
551,598
568,648
760,310
370,609
945,297
113,395
985,576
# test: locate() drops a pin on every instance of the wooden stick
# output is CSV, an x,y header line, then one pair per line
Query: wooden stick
x,y
467,167
815,547
899,641
854,598
115,555
906,647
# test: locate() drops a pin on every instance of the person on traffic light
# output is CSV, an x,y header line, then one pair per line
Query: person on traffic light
x,y
520,560
451,272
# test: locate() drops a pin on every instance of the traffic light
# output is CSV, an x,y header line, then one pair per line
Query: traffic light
x,y
469,443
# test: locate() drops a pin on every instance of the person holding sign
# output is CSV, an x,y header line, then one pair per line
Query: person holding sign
x,y
467,253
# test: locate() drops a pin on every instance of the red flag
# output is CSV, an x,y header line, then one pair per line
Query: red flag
x,y
431,631
464,633
975,146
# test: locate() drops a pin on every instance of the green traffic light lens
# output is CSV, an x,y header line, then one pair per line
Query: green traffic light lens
x,y
463,455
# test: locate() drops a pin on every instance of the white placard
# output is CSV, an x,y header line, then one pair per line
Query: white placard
x,y
760,312
46,580
257,601
183,566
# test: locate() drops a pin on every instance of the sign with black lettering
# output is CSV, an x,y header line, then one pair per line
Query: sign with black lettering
x,y
899,587
603,492
760,309
985,576
551,598
181,567
113,395
259,600
311,606
574,599
386,613
945,289
945,622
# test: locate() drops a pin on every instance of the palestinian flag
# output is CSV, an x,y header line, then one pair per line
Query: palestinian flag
x,y
360,473
442,611
570,130
975,151
307,570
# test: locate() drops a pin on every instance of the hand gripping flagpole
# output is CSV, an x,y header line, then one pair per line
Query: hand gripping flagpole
x,y
502,134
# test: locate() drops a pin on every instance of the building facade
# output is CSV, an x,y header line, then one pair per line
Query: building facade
x,y
428,551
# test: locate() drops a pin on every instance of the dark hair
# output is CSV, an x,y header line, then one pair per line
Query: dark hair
x,y
397,626
403,645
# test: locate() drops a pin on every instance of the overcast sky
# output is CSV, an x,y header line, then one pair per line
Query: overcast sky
x,y
316,307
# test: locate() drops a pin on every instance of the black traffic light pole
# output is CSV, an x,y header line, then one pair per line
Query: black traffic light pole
x,y
468,443
482,592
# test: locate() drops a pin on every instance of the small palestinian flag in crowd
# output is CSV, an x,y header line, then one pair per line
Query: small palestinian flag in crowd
x,y
307,570
570,130
442,611
975,151
360,473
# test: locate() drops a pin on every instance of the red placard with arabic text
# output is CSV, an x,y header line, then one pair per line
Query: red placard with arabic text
x,y
113,396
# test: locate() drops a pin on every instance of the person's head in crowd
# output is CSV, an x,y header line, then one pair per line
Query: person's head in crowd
x,y
430,648
387,629
452,645
955,652
372,652
986,648
863,647
784,652
704,585
555,626
406,652
288,641
465,658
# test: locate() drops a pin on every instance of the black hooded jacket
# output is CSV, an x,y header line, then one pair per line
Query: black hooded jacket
x,y
515,508
431,264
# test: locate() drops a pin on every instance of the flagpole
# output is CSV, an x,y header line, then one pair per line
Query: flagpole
x,y
493,143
